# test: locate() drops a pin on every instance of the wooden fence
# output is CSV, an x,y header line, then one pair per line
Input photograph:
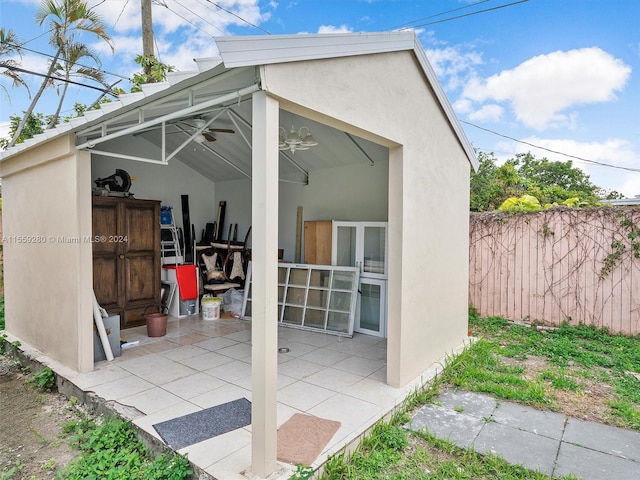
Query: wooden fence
x,y
574,265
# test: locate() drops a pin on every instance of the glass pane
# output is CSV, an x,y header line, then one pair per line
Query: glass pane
x,y
282,275
319,278
317,298
343,280
338,322
280,294
247,310
370,307
314,318
340,301
346,246
295,296
374,249
293,315
298,276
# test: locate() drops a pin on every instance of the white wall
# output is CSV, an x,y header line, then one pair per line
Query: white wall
x,y
354,193
428,191
47,260
345,193
165,183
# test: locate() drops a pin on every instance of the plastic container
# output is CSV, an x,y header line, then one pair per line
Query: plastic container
x,y
166,215
211,307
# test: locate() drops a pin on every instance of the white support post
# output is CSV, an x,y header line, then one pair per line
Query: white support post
x,y
264,264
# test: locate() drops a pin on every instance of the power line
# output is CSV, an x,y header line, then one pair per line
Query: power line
x,y
468,14
201,18
239,17
51,77
164,4
586,160
408,24
51,56
121,12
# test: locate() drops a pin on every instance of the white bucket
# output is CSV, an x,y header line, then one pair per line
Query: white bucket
x,y
211,307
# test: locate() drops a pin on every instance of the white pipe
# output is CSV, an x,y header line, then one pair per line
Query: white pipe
x,y
128,157
97,316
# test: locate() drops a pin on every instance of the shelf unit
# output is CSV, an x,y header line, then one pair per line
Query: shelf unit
x,y
314,297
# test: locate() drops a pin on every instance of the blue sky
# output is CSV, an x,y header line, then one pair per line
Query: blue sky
x,y
559,74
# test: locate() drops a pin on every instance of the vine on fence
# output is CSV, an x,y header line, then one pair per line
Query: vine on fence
x,y
558,265
618,247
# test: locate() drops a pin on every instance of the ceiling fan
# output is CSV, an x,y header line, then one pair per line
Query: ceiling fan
x,y
197,124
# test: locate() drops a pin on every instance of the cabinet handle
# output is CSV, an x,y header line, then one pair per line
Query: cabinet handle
x,y
121,257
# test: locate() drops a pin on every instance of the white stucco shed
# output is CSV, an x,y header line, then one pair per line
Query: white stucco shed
x,y
389,149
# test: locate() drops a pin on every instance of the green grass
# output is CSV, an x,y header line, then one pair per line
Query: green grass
x,y
478,369
590,352
395,454
561,380
573,354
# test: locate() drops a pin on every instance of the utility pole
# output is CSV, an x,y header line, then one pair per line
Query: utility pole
x,y
147,36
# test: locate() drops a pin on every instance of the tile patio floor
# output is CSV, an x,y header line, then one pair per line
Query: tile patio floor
x,y
199,364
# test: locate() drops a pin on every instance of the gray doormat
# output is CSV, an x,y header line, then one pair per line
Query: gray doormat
x,y
198,426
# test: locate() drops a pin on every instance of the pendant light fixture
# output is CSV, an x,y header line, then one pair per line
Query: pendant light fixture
x,y
300,139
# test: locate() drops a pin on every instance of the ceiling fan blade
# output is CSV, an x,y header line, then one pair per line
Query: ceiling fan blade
x,y
209,137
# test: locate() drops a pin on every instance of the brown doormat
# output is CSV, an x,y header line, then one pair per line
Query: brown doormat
x,y
303,437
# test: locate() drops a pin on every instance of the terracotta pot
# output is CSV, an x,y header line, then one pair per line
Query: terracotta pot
x,y
157,324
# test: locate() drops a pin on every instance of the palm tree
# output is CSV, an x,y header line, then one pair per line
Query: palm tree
x,y
9,47
71,57
68,18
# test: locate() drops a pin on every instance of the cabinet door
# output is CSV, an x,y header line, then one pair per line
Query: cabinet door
x,y
345,244
373,249
139,240
371,316
106,264
362,245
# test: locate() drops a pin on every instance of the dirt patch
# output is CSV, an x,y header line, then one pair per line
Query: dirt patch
x,y
589,403
30,429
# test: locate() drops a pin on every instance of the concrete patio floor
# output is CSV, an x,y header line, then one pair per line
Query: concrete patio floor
x,y
200,364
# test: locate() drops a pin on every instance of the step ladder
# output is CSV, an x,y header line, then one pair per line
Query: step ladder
x,y
170,250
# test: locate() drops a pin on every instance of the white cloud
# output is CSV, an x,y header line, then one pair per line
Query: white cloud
x,y
453,66
334,29
542,89
487,113
630,187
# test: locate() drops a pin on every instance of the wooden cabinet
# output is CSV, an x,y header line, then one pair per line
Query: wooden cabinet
x,y
317,242
126,256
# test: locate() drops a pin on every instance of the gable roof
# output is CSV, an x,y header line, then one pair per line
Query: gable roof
x,y
251,51
263,50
